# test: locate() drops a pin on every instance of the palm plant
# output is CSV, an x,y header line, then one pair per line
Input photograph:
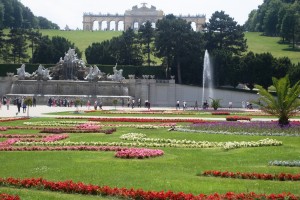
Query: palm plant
x,y
285,104
28,102
215,103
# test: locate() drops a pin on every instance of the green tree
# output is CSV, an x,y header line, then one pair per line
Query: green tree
x,y
222,32
99,53
285,104
172,42
49,51
2,44
130,51
17,14
34,38
146,36
44,51
18,44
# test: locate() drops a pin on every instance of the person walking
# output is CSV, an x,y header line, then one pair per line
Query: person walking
x,y
177,105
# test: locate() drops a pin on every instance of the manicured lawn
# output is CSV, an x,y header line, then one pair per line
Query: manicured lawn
x,y
176,170
263,44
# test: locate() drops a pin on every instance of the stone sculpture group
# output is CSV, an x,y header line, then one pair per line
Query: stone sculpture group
x,y
69,68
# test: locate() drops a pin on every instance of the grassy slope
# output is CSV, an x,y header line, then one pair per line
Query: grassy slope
x,y
82,39
262,44
256,42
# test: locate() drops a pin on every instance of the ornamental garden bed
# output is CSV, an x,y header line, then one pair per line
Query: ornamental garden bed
x,y
171,155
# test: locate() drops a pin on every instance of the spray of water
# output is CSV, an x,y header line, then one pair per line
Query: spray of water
x,y
207,84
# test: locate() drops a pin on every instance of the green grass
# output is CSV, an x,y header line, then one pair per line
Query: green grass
x,y
83,39
263,44
177,170
255,41
186,114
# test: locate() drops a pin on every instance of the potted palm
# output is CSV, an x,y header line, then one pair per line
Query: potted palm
x,y
215,104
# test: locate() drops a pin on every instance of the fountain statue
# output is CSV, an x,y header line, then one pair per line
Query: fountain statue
x,y
94,74
70,78
69,68
41,73
22,74
207,81
117,76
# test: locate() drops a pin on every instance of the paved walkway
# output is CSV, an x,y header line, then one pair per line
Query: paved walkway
x,y
43,111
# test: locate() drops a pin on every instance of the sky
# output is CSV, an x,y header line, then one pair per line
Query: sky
x,y
70,12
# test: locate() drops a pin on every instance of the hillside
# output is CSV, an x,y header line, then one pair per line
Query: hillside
x,y
256,42
261,44
82,39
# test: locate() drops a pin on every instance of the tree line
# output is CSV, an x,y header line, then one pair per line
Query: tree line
x,y
14,14
277,18
173,41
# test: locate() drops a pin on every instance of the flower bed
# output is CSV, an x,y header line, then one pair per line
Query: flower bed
x,y
88,189
138,153
4,196
2,128
236,118
199,144
288,163
236,133
29,138
220,113
133,120
121,152
76,130
265,128
146,142
264,176
13,119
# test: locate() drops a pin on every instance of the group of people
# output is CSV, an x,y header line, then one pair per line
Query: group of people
x,y
20,102
132,103
61,102
184,105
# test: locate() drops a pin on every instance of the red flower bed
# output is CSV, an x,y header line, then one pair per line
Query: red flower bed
x,y
9,197
89,189
277,177
13,119
76,130
220,113
236,118
124,119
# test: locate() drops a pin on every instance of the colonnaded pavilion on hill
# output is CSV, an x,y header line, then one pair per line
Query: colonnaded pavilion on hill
x,y
134,18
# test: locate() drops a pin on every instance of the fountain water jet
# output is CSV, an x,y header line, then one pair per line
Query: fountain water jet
x,y
207,81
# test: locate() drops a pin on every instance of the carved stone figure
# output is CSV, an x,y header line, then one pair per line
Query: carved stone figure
x,y
94,74
22,74
42,73
118,74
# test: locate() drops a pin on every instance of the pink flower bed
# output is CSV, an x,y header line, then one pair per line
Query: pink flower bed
x,y
121,152
2,128
261,176
88,126
77,130
4,196
138,153
88,189
29,138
